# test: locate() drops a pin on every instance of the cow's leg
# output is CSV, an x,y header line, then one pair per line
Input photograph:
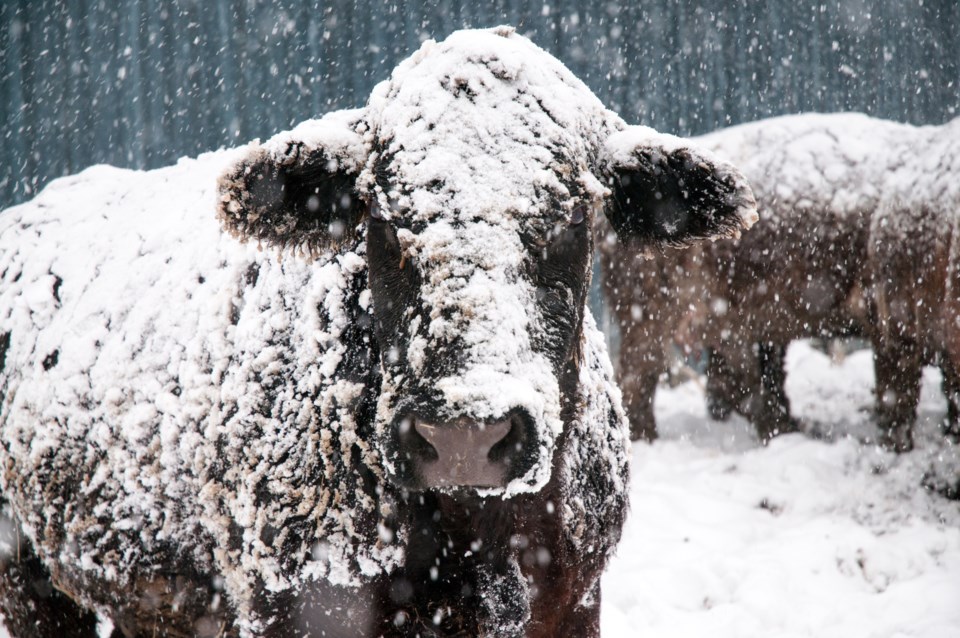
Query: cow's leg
x,y
898,367
642,361
642,296
951,389
774,411
639,389
725,388
733,380
584,618
30,605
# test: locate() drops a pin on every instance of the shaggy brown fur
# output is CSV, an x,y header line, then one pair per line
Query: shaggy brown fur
x,y
743,300
834,254
913,285
30,601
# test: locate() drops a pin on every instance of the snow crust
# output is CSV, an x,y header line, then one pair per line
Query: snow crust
x,y
804,538
195,396
481,123
599,441
333,133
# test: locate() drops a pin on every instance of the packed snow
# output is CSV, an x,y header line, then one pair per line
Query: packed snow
x,y
819,534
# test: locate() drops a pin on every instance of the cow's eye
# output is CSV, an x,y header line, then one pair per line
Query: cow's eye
x,y
579,214
375,212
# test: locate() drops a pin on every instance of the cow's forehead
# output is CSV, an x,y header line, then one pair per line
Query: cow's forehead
x,y
481,125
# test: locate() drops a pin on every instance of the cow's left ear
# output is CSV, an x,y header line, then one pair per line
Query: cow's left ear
x,y
298,189
667,192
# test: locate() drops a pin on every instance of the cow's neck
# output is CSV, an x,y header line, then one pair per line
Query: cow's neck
x,y
486,559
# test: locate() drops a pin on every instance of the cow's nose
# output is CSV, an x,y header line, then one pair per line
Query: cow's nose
x,y
467,453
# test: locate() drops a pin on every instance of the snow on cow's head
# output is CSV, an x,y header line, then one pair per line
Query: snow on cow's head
x,y
474,173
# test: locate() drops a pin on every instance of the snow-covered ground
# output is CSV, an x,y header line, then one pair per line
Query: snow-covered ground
x,y
820,534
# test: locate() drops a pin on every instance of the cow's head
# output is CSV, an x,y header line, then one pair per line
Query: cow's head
x,y
474,175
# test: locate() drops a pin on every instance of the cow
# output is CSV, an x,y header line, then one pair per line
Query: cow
x,y
913,283
399,419
819,180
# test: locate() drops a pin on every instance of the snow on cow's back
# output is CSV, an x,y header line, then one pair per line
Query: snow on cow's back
x,y
109,279
143,344
819,161
103,248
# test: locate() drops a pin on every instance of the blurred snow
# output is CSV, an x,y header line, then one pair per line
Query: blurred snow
x,y
820,534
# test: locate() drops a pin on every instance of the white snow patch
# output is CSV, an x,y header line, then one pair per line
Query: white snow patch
x,y
150,349
813,538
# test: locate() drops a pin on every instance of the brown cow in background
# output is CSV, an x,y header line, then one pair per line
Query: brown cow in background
x,y
820,263
913,269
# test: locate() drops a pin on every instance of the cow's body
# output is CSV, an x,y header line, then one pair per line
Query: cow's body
x,y
202,438
808,269
913,282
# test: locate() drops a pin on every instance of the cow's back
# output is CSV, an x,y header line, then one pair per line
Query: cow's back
x,y
799,270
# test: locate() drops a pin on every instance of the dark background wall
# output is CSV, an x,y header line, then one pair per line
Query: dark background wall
x,y
142,82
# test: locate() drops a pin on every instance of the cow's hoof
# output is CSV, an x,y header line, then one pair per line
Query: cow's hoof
x,y
719,410
947,489
896,439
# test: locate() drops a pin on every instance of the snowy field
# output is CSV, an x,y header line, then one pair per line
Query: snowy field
x,y
820,534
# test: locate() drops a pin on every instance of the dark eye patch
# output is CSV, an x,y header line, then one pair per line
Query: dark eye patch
x,y
561,264
375,212
579,215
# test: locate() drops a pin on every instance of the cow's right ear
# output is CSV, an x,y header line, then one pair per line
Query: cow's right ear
x,y
665,191
298,190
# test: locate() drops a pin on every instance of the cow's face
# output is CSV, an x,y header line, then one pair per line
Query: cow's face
x,y
475,173
478,316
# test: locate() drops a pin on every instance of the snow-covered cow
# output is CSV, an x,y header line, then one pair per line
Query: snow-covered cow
x,y
406,427
826,187
913,279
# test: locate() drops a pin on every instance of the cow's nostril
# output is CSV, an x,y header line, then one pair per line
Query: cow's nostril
x,y
511,446
414,446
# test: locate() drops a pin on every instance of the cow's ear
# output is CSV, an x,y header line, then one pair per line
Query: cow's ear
x,y
299,188
667,192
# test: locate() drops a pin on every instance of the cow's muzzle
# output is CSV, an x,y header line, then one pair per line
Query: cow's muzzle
x,y
465,452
